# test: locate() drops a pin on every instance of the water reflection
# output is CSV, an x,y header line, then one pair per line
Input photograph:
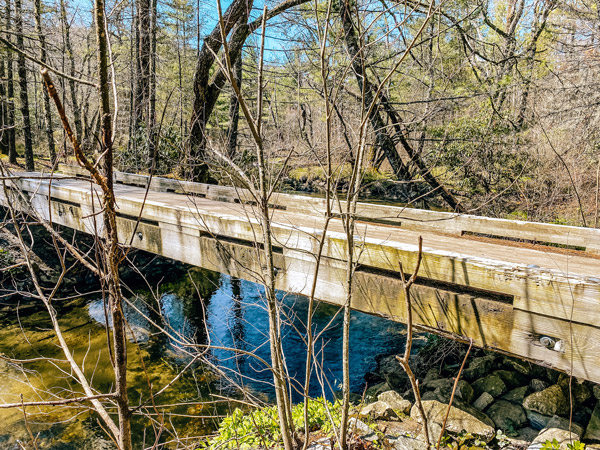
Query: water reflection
x,y
202,307
244,325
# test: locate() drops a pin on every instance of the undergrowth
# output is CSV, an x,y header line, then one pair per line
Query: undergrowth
x,y
260,427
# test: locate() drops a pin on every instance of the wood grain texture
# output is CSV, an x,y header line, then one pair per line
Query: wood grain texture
x,y
541,292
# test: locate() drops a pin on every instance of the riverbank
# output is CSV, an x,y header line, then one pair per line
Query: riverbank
x,y
499,402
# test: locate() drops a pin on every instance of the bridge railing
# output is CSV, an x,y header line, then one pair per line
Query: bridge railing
x,y
580,238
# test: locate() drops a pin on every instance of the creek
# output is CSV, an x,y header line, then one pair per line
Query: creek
x,y
232,315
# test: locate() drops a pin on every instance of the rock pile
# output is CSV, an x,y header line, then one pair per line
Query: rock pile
x,y
497,399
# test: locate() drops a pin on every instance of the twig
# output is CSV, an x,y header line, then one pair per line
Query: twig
x,y
462,366
64,401
44,65
406,284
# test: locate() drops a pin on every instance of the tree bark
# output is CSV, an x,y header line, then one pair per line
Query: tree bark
x,y
43,58
3,109
143,63
22,69
72,86
10,94
112,249
206,92
234,110
382,138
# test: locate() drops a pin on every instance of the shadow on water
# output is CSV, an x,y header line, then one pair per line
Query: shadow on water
x,y
232,314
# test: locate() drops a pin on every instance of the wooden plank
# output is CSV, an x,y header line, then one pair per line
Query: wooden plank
x,y
492,324
408,218
537,289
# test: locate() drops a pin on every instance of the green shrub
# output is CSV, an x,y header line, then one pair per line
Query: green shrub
x,y
260,427
554,445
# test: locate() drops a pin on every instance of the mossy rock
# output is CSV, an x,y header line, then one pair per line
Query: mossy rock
x,y
548,402
492,384
507,415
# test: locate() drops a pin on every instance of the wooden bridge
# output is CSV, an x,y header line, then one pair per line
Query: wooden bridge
x,y
496,281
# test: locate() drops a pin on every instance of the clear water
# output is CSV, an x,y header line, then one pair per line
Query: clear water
x,y
232,315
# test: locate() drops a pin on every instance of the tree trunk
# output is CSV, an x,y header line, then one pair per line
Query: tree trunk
x,y
23,88
72,85
144,50
383,140
10,94
43,58
3,109
151,120
234,110
540,18
207,93
112,249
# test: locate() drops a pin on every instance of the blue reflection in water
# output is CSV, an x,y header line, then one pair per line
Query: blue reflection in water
x,y
244,325
236,317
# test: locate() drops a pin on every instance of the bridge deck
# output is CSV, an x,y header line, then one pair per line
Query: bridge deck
x,y
504,296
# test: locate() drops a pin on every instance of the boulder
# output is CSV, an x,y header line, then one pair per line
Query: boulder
x,y
579,388
443,390
483,401
507,415
392,371
465,391
320,444
592,432
479,368
557,428
378,410
552,375
537,385
492,384
396,402
358,426
517,395
458,420
432,374
548,402
596,390
406,443
438,383
511,378
518,365
520,439
373,391
536,420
